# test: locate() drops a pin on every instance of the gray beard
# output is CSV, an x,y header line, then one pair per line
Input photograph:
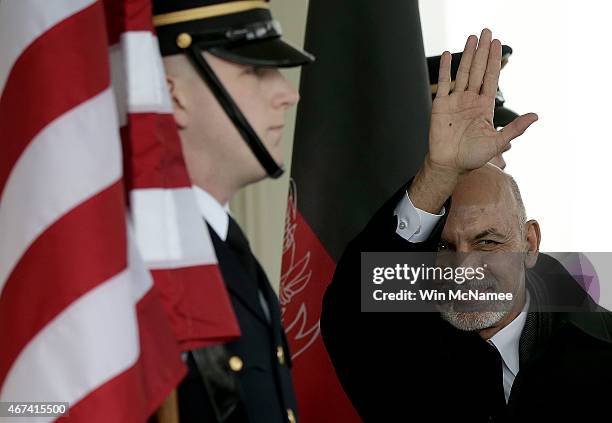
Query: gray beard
x,y
473,320
476,320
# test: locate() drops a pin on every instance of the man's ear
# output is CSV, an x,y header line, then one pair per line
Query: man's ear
x,y
179,101
532,238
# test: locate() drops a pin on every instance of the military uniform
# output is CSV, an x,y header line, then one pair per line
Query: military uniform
x,y
247,380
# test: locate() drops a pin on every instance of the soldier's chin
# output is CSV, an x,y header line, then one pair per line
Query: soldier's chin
x,y
473,320
276,152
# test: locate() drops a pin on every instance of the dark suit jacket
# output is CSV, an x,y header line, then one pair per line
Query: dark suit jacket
x,y
399,367
261,390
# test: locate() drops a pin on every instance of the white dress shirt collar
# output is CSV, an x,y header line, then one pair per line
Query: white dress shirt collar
x,y
216,214
507,339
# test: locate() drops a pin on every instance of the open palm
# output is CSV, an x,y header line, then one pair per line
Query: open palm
x,y
462,136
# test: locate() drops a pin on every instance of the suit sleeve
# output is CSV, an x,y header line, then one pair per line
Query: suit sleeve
x,y
359,344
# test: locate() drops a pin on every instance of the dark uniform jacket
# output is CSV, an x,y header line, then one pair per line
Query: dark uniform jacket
x,y
410,367
248,380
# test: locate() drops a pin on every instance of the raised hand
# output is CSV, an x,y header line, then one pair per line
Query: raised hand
x,y
462,136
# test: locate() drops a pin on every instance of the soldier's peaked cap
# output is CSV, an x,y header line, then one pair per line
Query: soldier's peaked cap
x,y
241,31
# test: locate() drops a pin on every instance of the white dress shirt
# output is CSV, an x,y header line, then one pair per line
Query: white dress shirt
x,y
217,216
414,225
507,343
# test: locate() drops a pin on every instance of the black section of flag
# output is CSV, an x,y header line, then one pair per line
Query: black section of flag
x,y
361,130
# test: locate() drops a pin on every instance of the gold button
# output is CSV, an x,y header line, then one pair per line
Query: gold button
x,y
183,40
280,354
291,416
235,363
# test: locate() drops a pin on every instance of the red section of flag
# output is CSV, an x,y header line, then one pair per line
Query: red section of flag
x,y
306,271
127,15
155,160
197,305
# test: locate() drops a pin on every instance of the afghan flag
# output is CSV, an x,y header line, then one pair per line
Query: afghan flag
x,y
361,133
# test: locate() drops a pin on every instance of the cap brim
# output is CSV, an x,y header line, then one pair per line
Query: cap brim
x,y
272,52
503,117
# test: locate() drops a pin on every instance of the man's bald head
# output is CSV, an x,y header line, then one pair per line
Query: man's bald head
x,y
490,185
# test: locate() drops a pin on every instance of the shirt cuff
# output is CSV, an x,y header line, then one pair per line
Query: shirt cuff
x,y
414,225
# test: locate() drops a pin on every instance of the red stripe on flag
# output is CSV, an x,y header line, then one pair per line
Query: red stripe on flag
x,y
118,400
157,345
84,248
307,269
61,69
152,152
127,15
198,304
136,393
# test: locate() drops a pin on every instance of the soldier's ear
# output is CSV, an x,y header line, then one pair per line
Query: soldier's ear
x,y
179,101
532,238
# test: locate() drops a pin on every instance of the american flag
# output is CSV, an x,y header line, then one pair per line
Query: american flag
x,y
92,183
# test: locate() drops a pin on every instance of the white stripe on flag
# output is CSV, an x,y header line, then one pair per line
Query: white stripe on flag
x,y
79,150
81,349
142,280
18,26
169,228
138,75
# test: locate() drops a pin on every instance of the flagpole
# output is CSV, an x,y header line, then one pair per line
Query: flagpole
x,y
168,411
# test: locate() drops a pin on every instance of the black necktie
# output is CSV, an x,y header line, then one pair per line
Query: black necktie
x,y
238,242
494,385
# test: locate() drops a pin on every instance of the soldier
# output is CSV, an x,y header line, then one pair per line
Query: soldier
x,y
229,98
